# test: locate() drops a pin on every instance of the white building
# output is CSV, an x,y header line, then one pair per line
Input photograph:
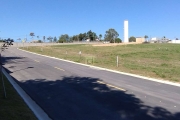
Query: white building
x,y
126,31
175,41
159,40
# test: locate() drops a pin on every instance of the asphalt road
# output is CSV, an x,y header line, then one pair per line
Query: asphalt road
x,y
68,91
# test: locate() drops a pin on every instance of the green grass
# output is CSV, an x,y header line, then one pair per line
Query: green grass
x,y
13,107
151,60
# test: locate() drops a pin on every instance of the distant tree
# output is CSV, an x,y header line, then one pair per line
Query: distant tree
x,y
94,36
118,40
32,35
177,39
64,38
132,39
146,37
39,41
50,38
80,37
44,38
84,36
111,35
91,35
70,39
37,37
55,39
100,36
77,37
19,39
164,38
74,38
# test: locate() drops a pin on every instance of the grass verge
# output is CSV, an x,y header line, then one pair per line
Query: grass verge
x,y
151,60
13,107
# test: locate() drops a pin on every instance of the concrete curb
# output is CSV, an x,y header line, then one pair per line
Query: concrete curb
x,y
114,71
39,112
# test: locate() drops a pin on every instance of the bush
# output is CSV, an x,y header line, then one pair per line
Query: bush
x,y
132,39
39,41
117,40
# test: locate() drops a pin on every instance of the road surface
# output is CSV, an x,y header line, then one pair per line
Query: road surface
x,y
68,91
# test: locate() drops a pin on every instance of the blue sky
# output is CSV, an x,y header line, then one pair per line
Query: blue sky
x,y
155,18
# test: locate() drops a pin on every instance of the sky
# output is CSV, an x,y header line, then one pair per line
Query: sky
x,y
155,18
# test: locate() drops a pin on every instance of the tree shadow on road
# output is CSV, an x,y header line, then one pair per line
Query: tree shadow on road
x,y
10,60
83,98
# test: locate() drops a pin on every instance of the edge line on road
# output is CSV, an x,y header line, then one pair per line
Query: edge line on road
x,y
36,60
59,69
37,110
112,86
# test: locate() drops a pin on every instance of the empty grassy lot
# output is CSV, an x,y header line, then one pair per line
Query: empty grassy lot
x,y
13,107
152,60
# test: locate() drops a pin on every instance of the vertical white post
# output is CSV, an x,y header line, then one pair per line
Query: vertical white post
x,y
66,54
79,55
117,61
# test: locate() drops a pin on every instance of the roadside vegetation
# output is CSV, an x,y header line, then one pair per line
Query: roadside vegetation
x,y
13,107
152,60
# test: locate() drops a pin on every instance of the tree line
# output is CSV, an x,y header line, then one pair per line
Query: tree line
x,y
111,35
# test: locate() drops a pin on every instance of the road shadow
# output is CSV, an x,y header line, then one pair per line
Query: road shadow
x,y
10,60
16,60
83,98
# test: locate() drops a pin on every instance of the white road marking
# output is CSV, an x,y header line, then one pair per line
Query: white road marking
x,y
37,110
36,60
59,68
112,86
93,67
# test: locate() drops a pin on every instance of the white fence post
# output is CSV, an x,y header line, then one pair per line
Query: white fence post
x,y
117,61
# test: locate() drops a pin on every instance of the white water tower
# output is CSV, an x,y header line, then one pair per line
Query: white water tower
x,y
126,31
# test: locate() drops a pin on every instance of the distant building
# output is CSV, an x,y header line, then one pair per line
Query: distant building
x,y
154,40
174,41
140,39
87,40
159,40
